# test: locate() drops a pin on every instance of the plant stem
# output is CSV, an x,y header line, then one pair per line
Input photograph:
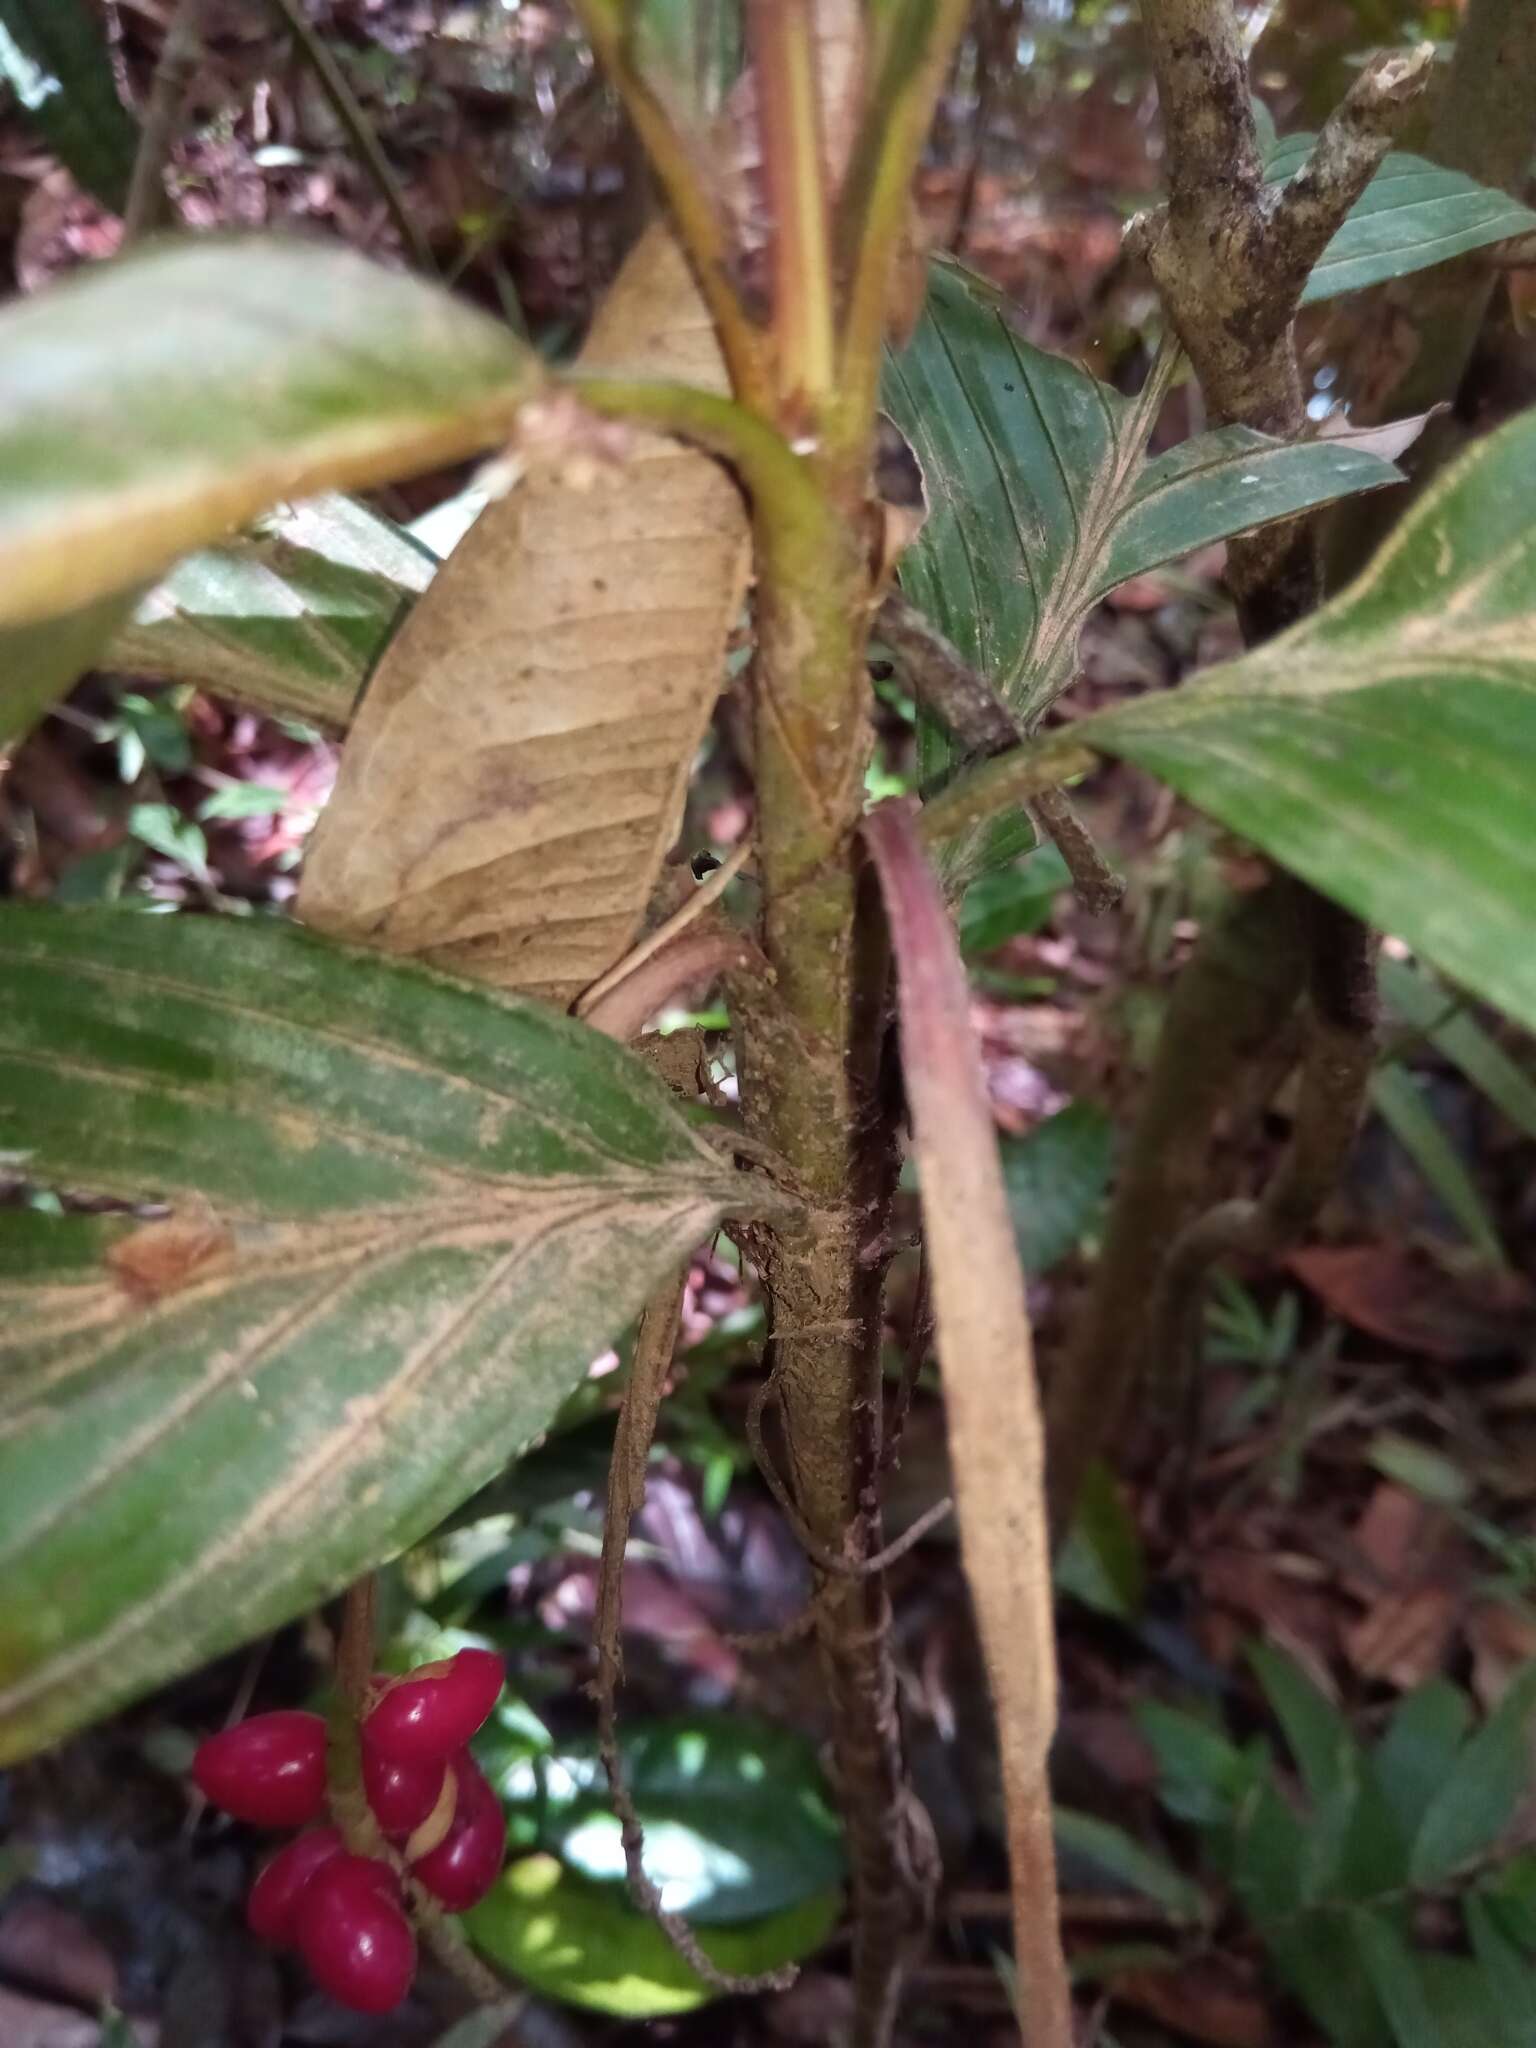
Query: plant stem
x,y
180,53
358,128
794,164
1230,259
699,221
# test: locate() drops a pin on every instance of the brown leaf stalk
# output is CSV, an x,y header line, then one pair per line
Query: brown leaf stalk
x,y
991,1405
655,1340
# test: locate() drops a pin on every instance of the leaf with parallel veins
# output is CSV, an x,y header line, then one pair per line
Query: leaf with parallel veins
x,y
403,1214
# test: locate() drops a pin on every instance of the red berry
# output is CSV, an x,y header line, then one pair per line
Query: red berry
x,y
425,1717
269,1770
271,1908
467,1862
400,1794
354,1937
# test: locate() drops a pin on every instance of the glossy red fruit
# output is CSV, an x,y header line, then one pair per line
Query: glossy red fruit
x,y
400,1794
354,1937
425,1717
271,1910
269,1770
467,1862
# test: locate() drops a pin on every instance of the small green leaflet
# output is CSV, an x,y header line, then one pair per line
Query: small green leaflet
x,y
1413,214
404,1214
1385,749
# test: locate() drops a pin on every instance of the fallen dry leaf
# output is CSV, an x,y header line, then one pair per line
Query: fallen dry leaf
x,y
1405,1298
516,772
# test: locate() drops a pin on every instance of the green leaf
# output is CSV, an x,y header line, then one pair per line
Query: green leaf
x,y
1399,1101
290,619
1385,749
40,663
1315,1730
1393,1969
1419,1000
1055,1178
1507,1978
149,405
55,59
1011,900
1040,499
1412,214
406,1213
1081,1837
1101,1562
735,1813
1204,1774
1415,1756
1510,1895
586,1944
1474,1804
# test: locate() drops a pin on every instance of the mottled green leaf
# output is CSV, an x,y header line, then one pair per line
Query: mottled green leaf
x,y
585,1943
404,1213
1080,1837
1316,1732
1412,214
1055,1178
151,405
54,57
1040,498
289,619
1476,1801
1385,749
1507,1981
1393,1970
735,1813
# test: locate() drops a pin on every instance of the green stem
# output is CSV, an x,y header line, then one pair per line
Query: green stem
x,y
794,166
699,221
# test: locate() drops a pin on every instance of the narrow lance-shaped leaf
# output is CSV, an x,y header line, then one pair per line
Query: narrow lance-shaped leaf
x,y
1042,499
403,1214
289,619
518,768
1385,749
1412,214
156,403
55,59
991,1401
1041,496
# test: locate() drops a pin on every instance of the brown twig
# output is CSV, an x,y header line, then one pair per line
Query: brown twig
x,y
962,699
359,130
654,1342
1230,257
180,54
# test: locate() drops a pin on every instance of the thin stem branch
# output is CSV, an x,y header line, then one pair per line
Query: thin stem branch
x,y
794,165
767,466
917,41
654,1343
1003,784
700,223
180,55
358,128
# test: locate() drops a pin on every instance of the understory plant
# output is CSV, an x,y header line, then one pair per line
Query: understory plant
x,y
367,1192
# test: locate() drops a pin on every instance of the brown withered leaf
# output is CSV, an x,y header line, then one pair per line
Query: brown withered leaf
x,y
516,773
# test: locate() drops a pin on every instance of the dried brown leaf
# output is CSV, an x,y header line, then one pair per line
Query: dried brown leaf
x,y
516,773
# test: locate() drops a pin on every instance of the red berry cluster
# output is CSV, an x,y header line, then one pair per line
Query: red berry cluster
x,y
431,1800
